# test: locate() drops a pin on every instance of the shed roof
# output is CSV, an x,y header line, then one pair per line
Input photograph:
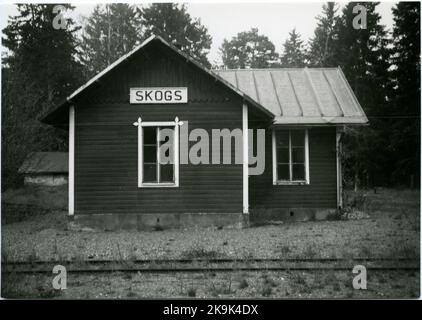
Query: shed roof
x,y
45,162
300,95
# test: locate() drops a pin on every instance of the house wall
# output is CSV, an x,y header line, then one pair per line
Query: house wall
x,y
50,180
106,191
298,202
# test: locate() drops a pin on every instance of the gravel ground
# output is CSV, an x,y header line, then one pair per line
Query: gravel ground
x,y
47,239
392,231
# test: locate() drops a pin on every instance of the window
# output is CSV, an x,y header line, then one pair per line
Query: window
x,y
158,153
290,156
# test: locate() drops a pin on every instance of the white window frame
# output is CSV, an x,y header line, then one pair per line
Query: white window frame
x,y
141,124
276,181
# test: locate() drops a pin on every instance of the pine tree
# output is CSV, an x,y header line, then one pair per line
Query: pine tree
x,y
248,49
38,72
325,35
173,23
294,54
110,31
405,124
363,55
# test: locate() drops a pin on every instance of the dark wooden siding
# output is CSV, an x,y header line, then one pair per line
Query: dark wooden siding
x,y
106,141
322,190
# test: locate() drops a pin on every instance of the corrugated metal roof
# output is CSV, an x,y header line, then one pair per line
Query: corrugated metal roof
x,y
300,96
45,162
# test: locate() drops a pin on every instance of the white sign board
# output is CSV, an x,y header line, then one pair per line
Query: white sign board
x,y
158,95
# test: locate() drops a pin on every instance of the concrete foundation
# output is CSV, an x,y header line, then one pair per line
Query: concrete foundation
x,y
158,221
262,215
161,221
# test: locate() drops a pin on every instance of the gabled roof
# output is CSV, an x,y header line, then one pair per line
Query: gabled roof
x,y
48,118
45,162
290,96
300,96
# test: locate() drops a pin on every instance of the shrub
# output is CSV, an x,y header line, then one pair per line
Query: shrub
x,y
191,292
243,284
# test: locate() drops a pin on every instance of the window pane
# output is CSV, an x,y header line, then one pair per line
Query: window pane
x,y
166,173
298,172
282,138
282,155
283,172
150,154
298,155
298,138
150,173
150,135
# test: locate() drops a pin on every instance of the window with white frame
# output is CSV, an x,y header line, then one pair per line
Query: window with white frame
x,y
290,156
158,153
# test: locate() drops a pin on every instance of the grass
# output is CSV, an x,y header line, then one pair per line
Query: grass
x,y
18,286
290,284
31,202
219,289
199,252
266,290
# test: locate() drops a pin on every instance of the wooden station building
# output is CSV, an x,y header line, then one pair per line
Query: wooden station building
x,y
116,178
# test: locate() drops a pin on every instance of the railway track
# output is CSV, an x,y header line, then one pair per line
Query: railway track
x,y
212,265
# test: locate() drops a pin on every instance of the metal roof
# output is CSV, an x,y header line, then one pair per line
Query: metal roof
x,y
45,162
300,96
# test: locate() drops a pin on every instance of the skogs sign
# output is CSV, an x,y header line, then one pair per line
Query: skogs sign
x,y
158,95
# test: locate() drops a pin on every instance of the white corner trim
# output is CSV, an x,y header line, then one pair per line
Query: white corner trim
x,y
339,170
274,156
176,151
140,150
307,157
245,158
71,160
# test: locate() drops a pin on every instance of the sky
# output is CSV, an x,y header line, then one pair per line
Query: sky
x,y
225,20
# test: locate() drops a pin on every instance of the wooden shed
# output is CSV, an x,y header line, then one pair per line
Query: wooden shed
x,y
117,121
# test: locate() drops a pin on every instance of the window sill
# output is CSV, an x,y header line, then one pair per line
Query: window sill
x,y
158,185
290,183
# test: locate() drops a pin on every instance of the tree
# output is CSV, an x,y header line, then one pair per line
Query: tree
x,y
405,123
294,54
248,49
322,44
364,57
173,23
39,71
110,31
